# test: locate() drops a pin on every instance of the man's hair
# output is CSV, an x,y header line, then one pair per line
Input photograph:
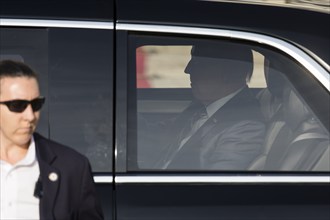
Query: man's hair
x,y
223,50
11,68
239,58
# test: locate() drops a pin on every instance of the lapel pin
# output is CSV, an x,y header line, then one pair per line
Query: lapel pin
x,y
53,177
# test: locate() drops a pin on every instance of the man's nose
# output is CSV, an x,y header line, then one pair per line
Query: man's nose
x,y
28,113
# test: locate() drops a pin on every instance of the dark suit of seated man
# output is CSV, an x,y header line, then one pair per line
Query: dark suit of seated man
x,y
229,132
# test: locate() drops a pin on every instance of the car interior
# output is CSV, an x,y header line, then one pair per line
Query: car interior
x,y
295,140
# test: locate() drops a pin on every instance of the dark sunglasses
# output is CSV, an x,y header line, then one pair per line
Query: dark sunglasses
x,y
20,105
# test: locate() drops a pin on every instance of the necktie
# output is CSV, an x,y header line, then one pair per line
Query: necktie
x,y
195,122
197,119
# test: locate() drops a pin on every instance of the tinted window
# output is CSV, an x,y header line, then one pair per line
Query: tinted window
x,y
29,46
260,111
81,92
75,67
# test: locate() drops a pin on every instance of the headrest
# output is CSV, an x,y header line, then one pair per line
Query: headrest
x,y
15,57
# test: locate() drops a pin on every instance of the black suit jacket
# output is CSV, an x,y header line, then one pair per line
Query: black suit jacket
x,y
229,140
68,191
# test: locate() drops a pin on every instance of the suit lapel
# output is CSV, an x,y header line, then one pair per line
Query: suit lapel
x,y
50,178
176,132
189,154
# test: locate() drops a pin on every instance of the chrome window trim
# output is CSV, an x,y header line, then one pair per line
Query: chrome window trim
x,y
4,22
209,179
319,72
103,179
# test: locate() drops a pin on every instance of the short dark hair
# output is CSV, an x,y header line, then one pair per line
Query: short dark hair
x,y
223,50
11,68
239,57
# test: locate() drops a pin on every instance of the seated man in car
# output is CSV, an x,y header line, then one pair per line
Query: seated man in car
x,y
223,128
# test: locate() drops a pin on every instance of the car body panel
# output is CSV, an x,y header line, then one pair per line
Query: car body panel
x,y
96,35
239,16
102,10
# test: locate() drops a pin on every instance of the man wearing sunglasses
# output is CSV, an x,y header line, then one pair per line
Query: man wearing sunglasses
x,y
40,179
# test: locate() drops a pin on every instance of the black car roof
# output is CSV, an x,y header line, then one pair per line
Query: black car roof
x,y
308,28
303,23
58,9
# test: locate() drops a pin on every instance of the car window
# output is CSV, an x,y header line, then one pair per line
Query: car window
x,y
29,46
261,109
75,68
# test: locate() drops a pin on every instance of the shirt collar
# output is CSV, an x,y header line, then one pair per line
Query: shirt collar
x,y
216,105
30,156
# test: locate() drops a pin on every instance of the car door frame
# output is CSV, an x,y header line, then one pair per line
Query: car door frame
x,y
148,183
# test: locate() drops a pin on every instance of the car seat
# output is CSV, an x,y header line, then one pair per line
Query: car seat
x,y
294,139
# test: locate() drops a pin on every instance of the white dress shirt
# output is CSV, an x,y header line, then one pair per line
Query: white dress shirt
x,y
17,184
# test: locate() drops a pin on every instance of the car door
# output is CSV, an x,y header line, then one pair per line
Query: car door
x,y
75,65
284,180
